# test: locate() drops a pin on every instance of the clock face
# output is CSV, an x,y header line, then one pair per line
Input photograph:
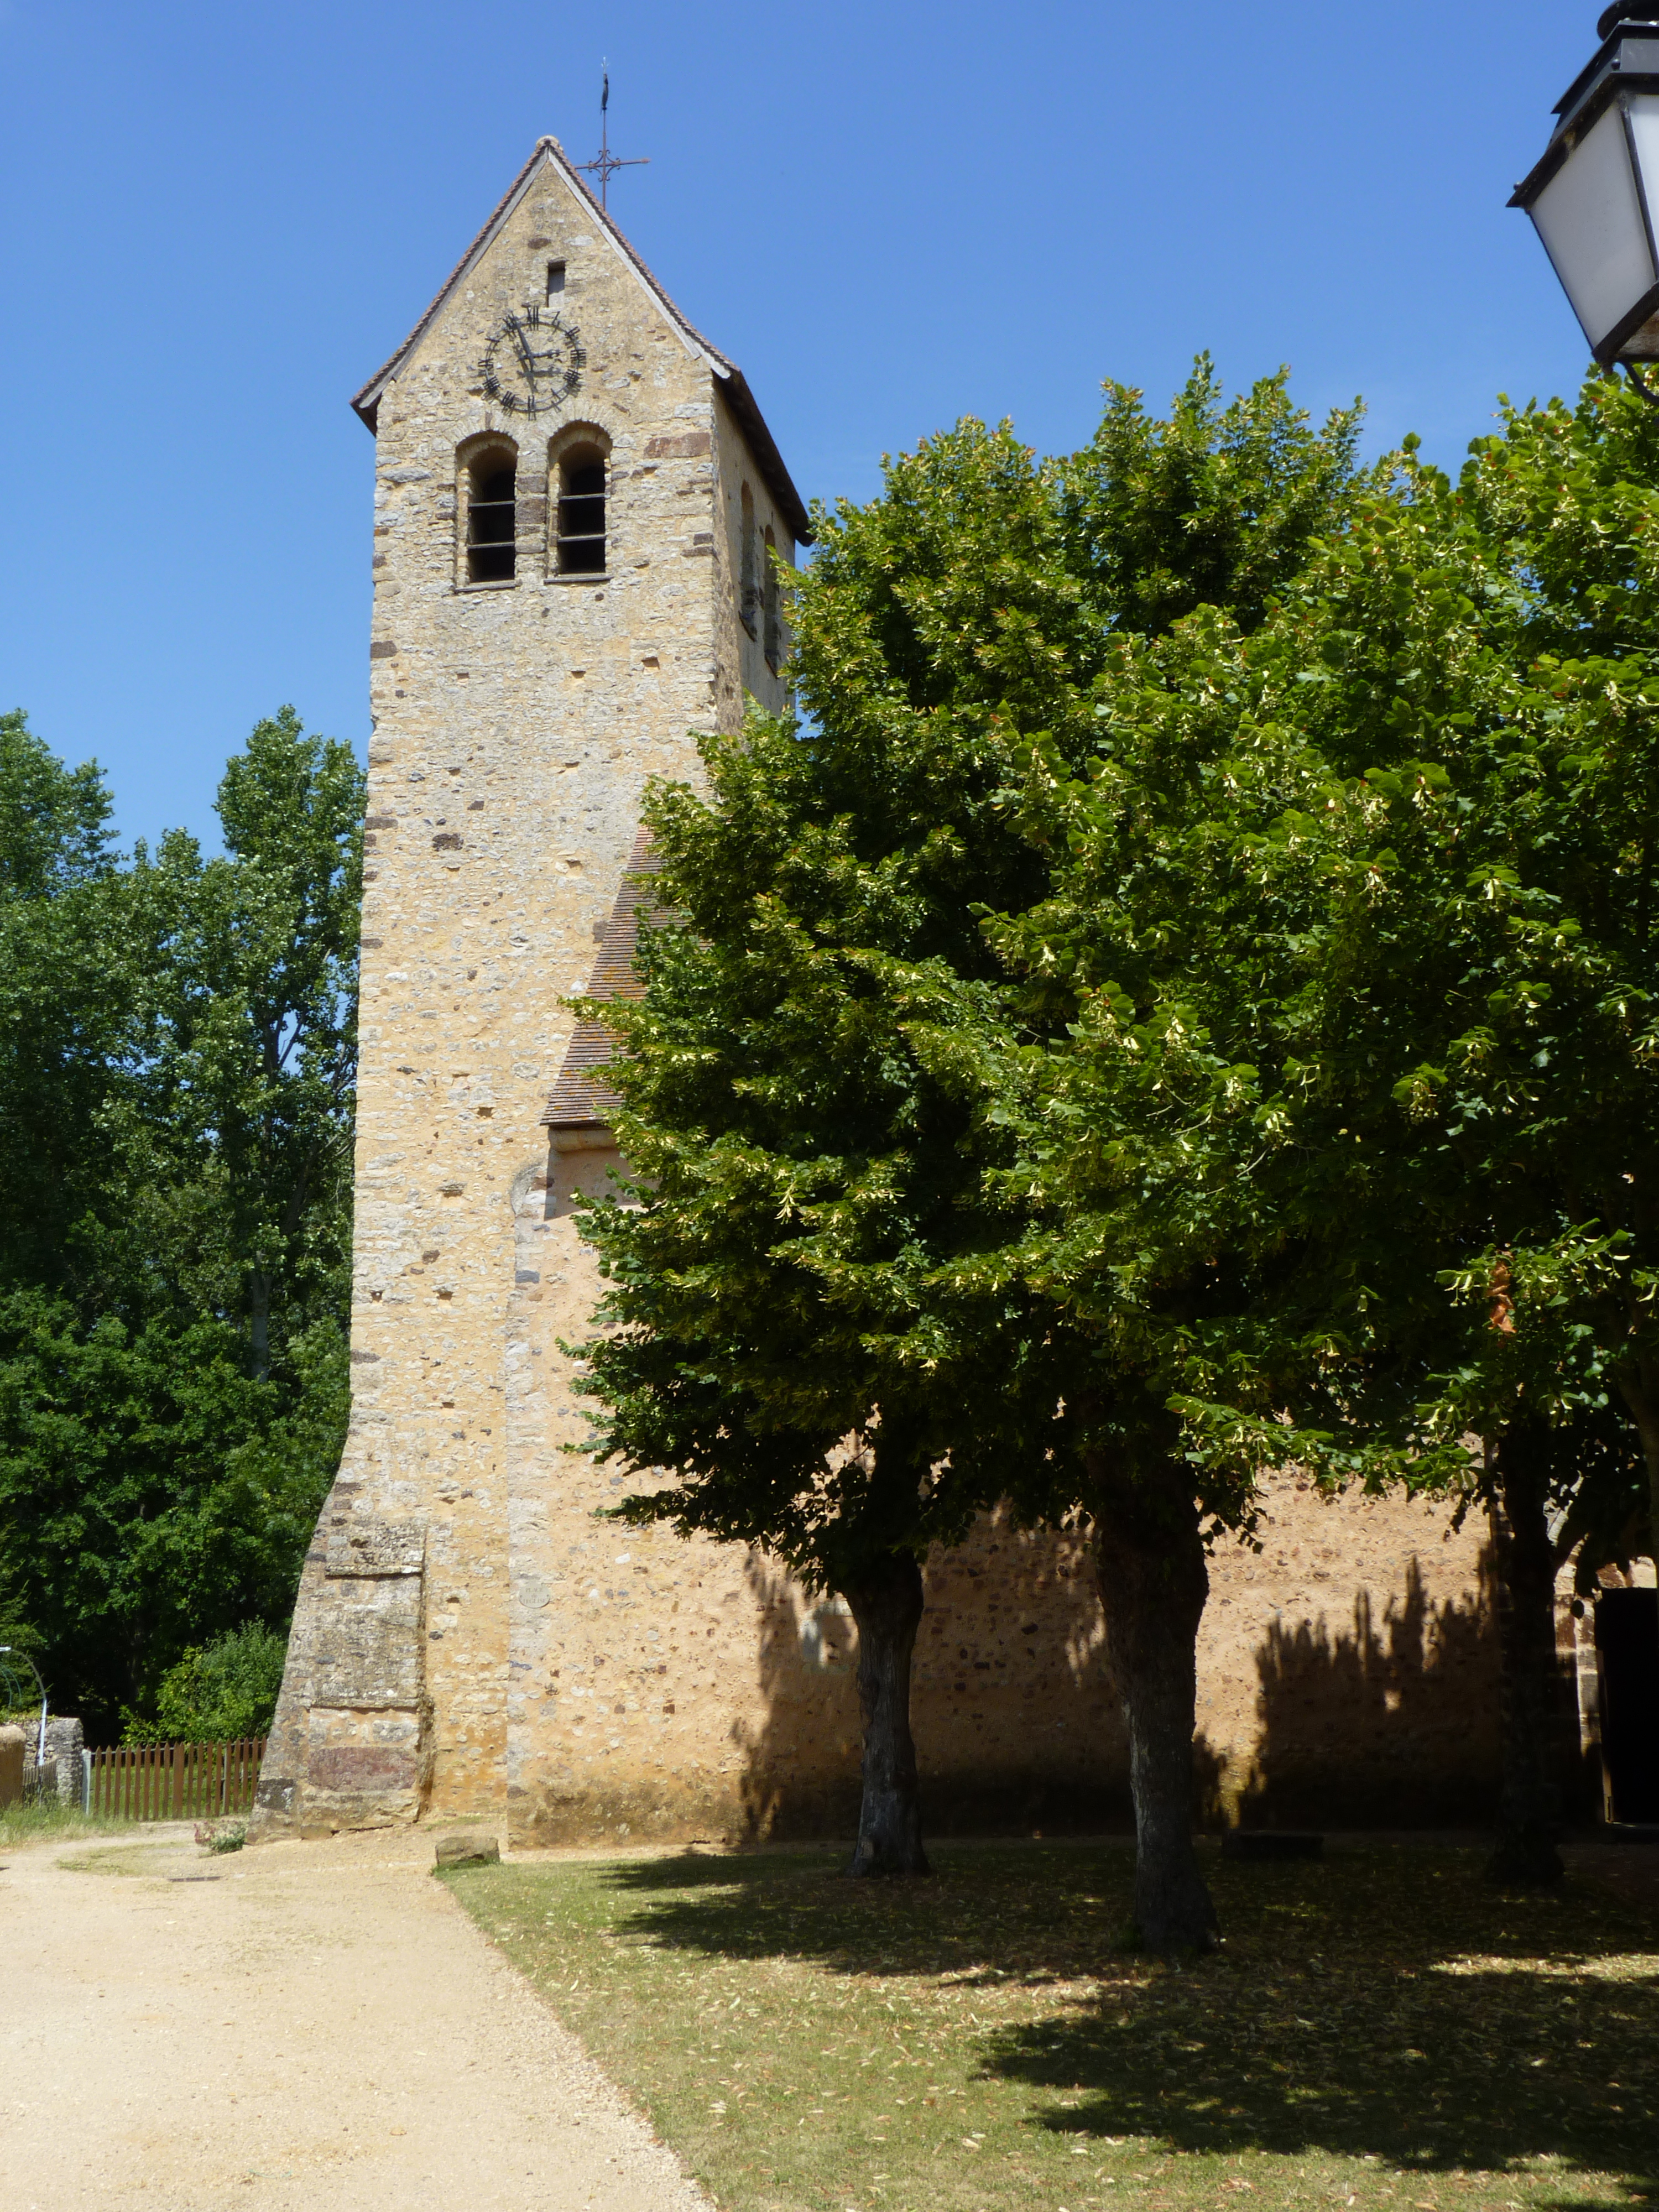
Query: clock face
x,y
532,361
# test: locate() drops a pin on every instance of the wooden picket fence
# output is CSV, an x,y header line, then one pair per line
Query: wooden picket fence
x,y
175,1781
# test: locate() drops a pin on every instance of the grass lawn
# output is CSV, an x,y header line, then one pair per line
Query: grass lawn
x,y
20,1824
1380,2029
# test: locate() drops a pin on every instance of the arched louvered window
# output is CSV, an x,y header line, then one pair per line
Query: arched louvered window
x,y
492,513
580,540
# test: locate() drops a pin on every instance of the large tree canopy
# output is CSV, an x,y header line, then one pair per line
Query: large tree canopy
x,y
799,1326
1340,1104
1181,1003
180,1041
64,1020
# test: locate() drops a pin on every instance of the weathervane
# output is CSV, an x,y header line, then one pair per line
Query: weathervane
x,y
605,164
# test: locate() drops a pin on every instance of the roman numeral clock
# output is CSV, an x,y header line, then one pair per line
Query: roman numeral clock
x,y
532,361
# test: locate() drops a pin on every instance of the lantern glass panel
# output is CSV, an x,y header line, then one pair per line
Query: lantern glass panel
x,y
1590,219
1645,134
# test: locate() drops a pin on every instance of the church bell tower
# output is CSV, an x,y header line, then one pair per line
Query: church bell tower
x,y
578,515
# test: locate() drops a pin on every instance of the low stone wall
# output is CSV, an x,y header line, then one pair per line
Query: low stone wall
x,y
60,1774
66,1741
11,1766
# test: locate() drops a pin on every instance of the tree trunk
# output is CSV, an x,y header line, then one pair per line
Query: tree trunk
x,y
1153,1585
259,1322
1528,1802
885,1595
1637,1382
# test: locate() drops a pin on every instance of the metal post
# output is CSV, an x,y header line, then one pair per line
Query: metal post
x,y
605,164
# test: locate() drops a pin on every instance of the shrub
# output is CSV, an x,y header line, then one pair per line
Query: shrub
x,y
218,1693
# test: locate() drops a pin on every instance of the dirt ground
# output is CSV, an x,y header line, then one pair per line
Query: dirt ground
x,y
302,2025
1631,1869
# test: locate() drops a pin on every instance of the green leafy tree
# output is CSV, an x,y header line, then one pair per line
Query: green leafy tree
x,y
172,1360
773,1336
244,1103
1346,1015
221,1693
800,1327
1506,809
1217,505
1142,1215
66,975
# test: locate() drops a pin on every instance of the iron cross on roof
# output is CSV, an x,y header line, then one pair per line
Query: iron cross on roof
x,y
605,164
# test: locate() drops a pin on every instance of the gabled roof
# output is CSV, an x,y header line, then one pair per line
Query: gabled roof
x,y
738,398
582,1099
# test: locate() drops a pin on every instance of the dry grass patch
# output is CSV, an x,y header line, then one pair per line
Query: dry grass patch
x,y
24,1823
1381,2030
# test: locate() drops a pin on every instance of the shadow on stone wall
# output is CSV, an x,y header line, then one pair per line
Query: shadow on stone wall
x,y
1017,1727
801,1771
1392,1723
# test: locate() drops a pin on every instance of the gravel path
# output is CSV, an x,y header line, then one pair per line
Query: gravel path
x,y
302,2025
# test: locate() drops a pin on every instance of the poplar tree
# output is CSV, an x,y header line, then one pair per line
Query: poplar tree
x,y
66,976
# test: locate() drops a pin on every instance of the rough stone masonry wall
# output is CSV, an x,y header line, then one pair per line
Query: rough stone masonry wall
x,y
66,1744
744,674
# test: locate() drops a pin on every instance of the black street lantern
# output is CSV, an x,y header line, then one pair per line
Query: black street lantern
x,y
1593,197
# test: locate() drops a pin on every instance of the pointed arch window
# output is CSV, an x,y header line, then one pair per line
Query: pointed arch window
x,y
491,484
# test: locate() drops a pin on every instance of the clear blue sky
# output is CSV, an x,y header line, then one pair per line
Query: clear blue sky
x,y
214,222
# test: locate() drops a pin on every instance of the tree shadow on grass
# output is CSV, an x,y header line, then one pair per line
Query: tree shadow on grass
x,y
799,1904
1383,2003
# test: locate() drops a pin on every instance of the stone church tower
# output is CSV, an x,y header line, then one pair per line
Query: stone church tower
x,y
577,511
574,497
